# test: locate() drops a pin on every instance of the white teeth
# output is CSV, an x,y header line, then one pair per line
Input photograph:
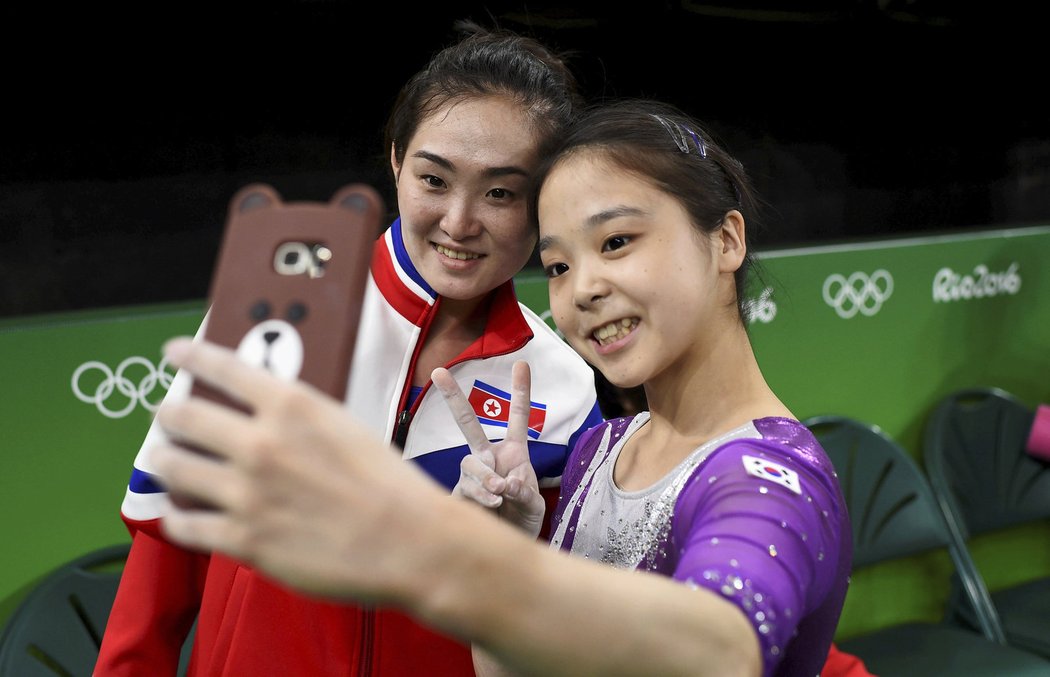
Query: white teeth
x,y
461,256
614,331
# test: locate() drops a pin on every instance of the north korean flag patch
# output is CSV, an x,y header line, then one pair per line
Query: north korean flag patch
x,y
492,407
773,472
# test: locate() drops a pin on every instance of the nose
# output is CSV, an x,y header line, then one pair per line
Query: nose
x,y
590,286
460,221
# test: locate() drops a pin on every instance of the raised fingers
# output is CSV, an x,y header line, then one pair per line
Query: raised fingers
x,y
520,407
461,410
479,481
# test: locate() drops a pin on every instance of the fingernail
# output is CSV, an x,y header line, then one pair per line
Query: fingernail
x,y
175,349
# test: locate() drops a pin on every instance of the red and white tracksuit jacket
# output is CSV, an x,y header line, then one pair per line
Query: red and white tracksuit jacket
x,y
250,626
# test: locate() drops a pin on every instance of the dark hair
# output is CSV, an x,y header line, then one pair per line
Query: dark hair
x,y
662,144
488,62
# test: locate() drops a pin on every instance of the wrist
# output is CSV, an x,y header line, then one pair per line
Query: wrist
x,y
476,570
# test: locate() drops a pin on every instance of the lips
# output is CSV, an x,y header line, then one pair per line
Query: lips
x,y
453,254
614,331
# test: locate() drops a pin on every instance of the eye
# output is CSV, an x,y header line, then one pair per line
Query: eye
x,y
433,181
295,312
555,269
260,310
615,242
500,193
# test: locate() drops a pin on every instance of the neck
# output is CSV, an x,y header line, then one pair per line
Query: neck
x,y
468,316
456,325
718,388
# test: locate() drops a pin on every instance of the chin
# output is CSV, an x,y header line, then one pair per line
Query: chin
x,y
462,288
623,380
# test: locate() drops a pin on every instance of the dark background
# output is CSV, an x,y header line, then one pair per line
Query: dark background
x,y
126,131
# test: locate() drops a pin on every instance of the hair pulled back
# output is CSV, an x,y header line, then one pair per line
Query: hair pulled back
x,y
488,62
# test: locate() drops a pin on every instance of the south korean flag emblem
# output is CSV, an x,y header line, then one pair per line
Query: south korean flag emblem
x,y
773,472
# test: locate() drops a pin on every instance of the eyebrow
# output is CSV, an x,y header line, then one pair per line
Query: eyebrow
x,y
492,172
593,221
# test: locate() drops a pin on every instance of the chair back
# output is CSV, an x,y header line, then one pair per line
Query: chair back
x,y
974,453
57,629
892,508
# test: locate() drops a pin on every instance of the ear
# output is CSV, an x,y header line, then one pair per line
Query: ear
x,y
358,197
254,196
733,241
395,166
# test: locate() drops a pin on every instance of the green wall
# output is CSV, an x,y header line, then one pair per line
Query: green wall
x,y
65,462
909,320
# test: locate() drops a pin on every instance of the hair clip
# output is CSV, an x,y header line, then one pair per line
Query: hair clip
x,y
678,135
700,145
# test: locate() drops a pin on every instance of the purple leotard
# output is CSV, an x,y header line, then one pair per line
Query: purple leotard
x,y
756,516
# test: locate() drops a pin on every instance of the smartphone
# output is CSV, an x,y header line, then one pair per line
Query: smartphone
x,y
288,284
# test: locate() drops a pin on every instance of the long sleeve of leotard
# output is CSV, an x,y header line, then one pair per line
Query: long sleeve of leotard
x,y
762,523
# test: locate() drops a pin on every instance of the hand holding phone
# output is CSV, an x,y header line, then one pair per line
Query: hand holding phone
x,y
288,285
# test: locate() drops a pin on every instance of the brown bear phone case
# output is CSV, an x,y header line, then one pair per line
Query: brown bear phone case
x,y
289,281
288,284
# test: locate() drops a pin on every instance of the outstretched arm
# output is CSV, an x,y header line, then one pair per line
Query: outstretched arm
x,y
307,494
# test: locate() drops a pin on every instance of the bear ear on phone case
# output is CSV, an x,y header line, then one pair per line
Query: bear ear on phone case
x,y
289,281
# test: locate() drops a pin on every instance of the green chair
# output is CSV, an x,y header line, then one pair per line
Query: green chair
x,y
56,631
974,453
894,515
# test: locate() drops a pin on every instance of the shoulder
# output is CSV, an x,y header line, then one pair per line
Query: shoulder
x,y
801,448
787,431
783,453
783,439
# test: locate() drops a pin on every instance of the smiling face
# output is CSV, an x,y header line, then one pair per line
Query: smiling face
x,y
634,287
461,193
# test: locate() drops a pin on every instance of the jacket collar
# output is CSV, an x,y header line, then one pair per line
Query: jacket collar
x,y
414,299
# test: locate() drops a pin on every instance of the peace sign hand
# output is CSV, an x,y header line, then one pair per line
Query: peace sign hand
x,y
498,474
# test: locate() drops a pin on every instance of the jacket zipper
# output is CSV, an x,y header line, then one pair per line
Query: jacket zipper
x,y
404,421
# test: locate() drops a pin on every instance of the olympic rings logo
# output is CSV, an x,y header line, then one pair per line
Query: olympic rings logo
x,y
118,383
859,292
763,309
